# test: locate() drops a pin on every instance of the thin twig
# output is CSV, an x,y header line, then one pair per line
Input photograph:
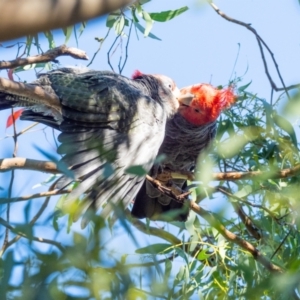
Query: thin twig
x,y
22,234
34,196
34,219
126,49
261,43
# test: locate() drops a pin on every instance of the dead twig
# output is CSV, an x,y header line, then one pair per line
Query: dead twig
x,y
261,43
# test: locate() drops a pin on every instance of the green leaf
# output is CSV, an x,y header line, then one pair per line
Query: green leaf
x,y
50,39
285,125
245,191
68,32
149,23
203,255
167,15
119,25
111,19
142,2
82,27
136,170
156,249
243,87
142,29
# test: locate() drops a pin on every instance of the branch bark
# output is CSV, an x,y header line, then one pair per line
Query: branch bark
x,y
7,164
50,55
28,17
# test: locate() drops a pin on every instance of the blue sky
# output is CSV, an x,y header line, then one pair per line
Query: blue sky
x,y
198,46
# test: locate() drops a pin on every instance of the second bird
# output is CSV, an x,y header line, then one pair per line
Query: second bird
x,y
188,133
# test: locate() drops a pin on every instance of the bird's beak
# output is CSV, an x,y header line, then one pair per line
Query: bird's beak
x,y
186,99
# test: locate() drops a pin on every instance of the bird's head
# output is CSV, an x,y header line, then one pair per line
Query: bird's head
x,y
166,89
202,103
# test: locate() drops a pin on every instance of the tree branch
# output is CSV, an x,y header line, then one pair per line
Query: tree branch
x,y
28,17
233,176
260,43
34,196
7,164
232,237
50,55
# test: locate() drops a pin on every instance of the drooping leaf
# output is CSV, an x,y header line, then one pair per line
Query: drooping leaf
x,y
142,29
149,23
111,19
68,32
50,39
119,25
12,118
155,249
167,15
243,87
285,125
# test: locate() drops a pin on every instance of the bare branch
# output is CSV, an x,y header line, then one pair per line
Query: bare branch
x,y
50,55
261,43
252,229
28,164
232,237
233,176
50,167
28,17
34,196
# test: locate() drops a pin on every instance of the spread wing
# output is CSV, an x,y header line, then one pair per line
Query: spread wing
x,y
108,125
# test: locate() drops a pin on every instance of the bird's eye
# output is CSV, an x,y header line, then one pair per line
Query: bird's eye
x,y
170,86
196,110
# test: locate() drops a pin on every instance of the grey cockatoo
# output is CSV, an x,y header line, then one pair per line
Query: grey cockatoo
x,y
188,133
108,123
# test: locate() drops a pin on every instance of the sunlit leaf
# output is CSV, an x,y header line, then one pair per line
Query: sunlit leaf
x,y
155,249
167,15
244,87
142,29
149,23
68,32
285,125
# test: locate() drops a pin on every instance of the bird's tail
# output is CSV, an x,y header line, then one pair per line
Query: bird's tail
x,y
7,101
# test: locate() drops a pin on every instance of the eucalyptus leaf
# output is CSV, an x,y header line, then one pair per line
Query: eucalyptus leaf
x,y
167,15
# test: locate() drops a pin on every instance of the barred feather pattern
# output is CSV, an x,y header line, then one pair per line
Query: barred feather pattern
x,y
182,145
108,123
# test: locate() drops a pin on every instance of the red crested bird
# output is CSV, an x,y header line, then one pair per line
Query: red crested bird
x,y
108,123
188,133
